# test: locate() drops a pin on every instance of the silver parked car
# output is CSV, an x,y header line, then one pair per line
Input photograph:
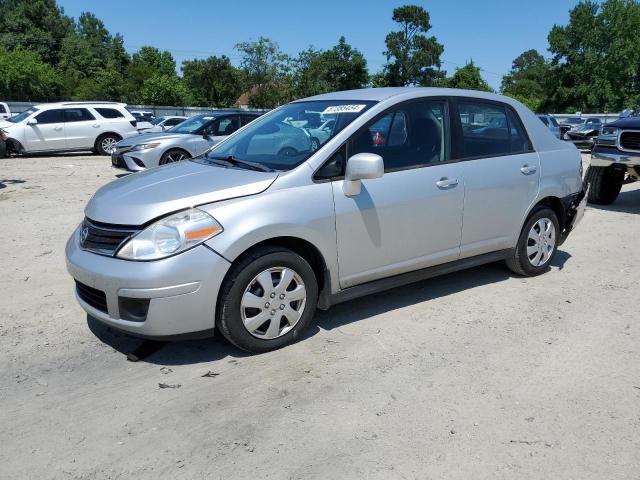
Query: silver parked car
x,y
188,139
411,183
160,124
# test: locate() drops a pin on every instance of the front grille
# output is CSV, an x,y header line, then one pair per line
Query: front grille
x,y
104,238
630,140
94,297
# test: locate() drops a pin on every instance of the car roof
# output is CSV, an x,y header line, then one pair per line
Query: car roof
x,y
42,106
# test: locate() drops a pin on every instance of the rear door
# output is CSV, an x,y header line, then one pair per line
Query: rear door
x,y
501,174
81,128
47,134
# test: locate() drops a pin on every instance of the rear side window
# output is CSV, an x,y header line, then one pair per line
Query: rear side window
x,y
109,113
247,119
410,136
50,116
489,130
77,115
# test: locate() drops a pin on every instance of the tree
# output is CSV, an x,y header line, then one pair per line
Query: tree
x,y
24,76
39,26
468,77
264,70
212,81
527,79
416,57
596,57
341,68
163,90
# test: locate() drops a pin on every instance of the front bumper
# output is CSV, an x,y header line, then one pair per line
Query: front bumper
x,y
603,156
181,290
581,141
135,160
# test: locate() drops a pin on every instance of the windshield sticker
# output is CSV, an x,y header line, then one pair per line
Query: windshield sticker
x,y
208,118
343,109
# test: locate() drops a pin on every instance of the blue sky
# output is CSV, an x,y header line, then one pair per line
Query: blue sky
x,y
491,32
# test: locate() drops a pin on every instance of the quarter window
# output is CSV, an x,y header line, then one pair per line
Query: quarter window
x,y
2,110
490,130
50,116
77,115
411,136
109,113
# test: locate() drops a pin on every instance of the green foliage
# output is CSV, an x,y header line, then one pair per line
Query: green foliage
x,y
212,81
24,76
468,77
264,72
534,104
164,90
596,57
413,58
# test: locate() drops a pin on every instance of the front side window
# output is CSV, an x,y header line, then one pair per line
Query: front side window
x,y
284,138
412,135
224,126
489,130
172,122
50,116
194,125
109,113
77,115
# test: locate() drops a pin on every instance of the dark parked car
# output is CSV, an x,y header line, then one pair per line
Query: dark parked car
x,y
583,135
615,159
568,123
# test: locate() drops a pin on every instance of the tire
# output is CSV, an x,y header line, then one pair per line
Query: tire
x,y
315,144
605,184
105,143
3,148
526,258
242,289
173,155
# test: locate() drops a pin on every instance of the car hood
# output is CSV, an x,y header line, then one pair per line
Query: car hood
x,y
141,197
4,124
152,136
632,123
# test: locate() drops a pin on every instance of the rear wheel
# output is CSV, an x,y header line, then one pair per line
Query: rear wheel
x,y
606,183
267,300
537,243
106,144
174,155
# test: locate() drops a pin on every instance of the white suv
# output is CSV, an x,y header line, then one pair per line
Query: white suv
x,y
68,126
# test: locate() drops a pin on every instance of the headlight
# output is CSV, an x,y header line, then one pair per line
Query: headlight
x,y
171,235
146,146
609,131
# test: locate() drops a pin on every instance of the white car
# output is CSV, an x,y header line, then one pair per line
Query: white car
x,y
5,112
161,124
69,126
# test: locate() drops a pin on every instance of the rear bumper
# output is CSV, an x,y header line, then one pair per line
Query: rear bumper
x,y
178,294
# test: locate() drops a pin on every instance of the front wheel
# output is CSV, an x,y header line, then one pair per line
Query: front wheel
x,y
267,300
172,156
537,243
606,184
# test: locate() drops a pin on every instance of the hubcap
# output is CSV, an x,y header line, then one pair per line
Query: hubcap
x,y
273,303
109,144
541,242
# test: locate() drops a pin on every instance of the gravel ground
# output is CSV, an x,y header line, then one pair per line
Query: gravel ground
x,y
475,375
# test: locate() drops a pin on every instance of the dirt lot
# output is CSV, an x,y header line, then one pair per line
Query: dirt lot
x,y
474,375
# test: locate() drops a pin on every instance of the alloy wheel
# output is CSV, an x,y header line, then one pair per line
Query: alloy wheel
x,y
108,144
273,303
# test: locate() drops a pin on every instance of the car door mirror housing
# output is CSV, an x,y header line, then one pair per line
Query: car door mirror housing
x,y
361,166
32,121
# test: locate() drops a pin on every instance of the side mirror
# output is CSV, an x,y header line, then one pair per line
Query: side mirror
x,y
362,166
32,121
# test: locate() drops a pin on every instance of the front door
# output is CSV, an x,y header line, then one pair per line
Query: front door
x,y
47,134
501,174
411,217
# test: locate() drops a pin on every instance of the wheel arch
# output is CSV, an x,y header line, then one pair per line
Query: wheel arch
x,y
115,134
555,204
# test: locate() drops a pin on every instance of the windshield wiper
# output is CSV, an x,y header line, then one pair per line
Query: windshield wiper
x,y
236,162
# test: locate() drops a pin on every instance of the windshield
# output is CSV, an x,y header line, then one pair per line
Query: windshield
x,y
22,116
193,124
574,120
156,121
286,137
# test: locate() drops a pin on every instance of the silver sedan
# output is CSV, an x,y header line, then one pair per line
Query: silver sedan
x,y
186,140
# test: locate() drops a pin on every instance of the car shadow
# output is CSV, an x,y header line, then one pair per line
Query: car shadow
x,y
61,154
10,181
627,202
217,348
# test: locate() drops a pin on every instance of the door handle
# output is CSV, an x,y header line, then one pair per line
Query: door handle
x,y
57,129
527,170
96,126
445,183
